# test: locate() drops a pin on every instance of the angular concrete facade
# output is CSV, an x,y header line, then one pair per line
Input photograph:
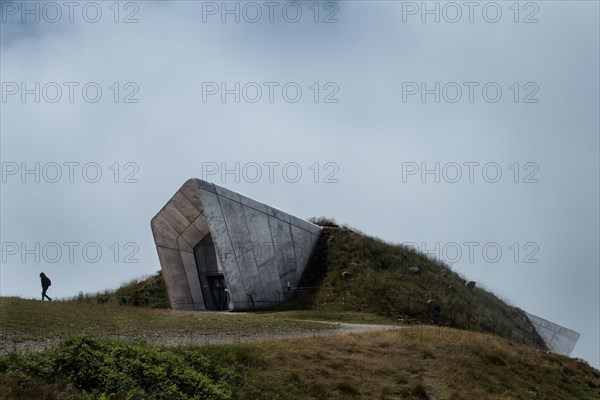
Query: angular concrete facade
x,y
221,250
559,339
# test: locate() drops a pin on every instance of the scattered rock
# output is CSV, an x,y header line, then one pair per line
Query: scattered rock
x,y
470,284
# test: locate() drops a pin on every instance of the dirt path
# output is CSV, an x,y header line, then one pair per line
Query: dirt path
x,y
334,328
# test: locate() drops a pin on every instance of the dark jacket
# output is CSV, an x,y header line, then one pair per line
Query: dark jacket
x,y
46,281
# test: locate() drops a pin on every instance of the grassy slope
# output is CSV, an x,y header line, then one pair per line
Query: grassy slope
x,y
417,362
150,292
32,320
382,283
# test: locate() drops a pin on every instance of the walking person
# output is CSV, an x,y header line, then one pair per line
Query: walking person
x,y
45,285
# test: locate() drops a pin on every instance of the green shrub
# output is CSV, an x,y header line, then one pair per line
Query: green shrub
x,y
100,368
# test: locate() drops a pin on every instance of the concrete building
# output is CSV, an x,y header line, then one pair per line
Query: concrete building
x,y
220,250
559,339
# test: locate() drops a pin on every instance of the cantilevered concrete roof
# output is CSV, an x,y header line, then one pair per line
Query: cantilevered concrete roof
x,y
261,251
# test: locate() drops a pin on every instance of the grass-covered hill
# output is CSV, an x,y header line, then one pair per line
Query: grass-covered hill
x,y
451,342
149,292
352,271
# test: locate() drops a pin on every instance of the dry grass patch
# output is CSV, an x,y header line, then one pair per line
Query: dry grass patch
x,y
420,362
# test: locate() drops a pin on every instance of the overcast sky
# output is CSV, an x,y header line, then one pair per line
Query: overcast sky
x,y
326,109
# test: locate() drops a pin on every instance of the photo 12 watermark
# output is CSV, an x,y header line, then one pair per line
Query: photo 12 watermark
x,y
52,12
257,253
489,92
452,12
253,12
69,172
70,252
470,172
474,252
271,172
270,92
70,92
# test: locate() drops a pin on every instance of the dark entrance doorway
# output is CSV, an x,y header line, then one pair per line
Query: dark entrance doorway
x,y
217,286
212,281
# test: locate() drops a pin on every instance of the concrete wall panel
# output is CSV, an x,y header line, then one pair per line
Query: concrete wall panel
x,y
307,226
257,205
228,194
164,234
190,190
259,248
201,223
185,207
263,250
175,217
242,246
183,245
272,211
559,339
192,236
223,245
284,251
304,242
191,272
175,279
204,185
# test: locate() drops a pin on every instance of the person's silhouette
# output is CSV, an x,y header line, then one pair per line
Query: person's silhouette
x,y
45,285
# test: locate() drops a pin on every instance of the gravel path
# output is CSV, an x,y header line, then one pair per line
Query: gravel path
x,y
334,328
